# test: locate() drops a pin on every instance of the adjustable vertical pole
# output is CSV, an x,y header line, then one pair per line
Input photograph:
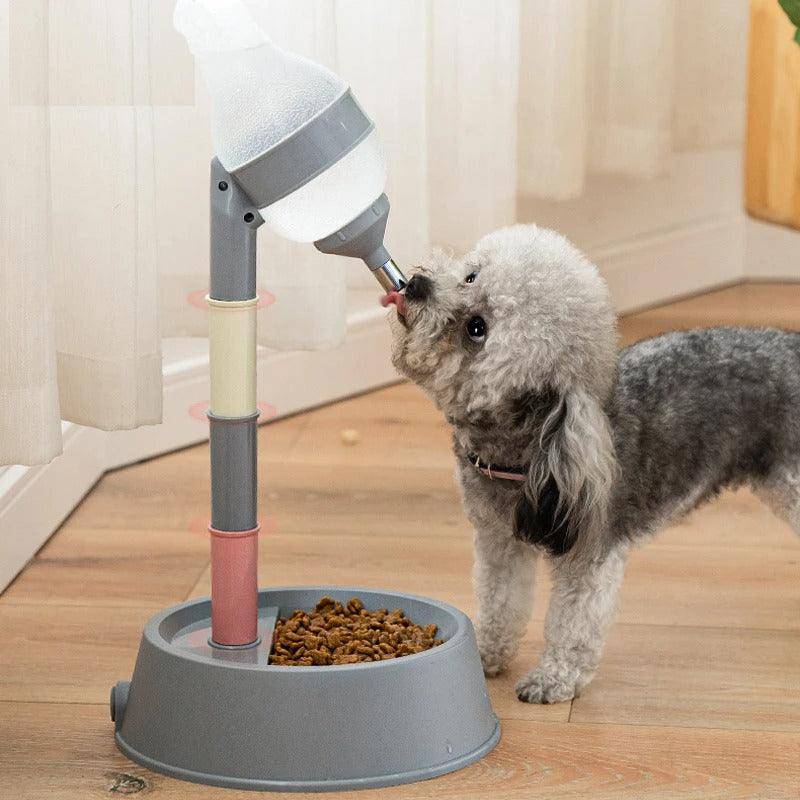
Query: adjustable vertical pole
x,y
233,413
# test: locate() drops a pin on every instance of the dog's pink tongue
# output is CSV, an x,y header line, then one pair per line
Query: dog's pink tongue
x,y
394,298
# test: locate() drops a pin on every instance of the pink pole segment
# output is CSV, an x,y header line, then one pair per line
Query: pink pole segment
x,y
234,586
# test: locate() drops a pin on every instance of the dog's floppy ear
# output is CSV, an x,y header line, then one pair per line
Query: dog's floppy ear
x,y
568,484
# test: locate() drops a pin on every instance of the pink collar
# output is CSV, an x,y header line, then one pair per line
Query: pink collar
x,y
495,471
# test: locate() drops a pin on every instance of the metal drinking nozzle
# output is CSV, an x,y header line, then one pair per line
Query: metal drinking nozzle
x,y
363,238
390,277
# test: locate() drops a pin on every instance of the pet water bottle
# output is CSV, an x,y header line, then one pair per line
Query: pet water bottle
x,y
262,94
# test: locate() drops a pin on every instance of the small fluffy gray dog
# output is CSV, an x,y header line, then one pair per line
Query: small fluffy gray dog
x,y
568,446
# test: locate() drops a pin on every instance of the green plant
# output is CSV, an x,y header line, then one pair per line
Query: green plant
x,y
792,9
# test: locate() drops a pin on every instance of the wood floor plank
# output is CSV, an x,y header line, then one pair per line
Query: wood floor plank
x,y
735,519
714,586
314,499
113,567
753,304
64,752
317,500
411,432
171,491
67,654
162,494
696,677
305,497
669,585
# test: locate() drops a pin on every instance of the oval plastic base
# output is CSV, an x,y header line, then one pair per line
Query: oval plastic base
x,y
227,718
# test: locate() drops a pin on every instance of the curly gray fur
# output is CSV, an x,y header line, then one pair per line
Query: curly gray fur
x,y
617,443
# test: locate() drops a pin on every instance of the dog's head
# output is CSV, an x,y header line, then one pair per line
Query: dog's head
x,y
520,334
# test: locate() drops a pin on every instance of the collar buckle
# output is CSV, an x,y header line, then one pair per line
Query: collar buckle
x,y
493,471
485,469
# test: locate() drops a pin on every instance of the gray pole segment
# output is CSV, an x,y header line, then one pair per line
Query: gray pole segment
x,y
234,222
233,449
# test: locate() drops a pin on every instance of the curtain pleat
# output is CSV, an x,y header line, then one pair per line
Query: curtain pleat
x,y
182,152
103,214
630,86
709,101
553,101
108,344
472,118
30,430
391,82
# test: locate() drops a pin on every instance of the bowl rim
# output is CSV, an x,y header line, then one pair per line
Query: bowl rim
x,y
153,635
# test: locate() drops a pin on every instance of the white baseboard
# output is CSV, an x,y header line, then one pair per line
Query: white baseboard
x,y
666,266
772,252
34,501
641,272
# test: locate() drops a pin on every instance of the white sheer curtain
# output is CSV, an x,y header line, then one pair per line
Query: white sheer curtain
x,y
616,86
105,140
79,283
30,431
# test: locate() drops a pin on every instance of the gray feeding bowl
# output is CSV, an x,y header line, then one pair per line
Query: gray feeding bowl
x,y
227,718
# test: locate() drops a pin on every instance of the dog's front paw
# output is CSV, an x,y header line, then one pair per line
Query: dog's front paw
x,y
495,654
493,664
539,686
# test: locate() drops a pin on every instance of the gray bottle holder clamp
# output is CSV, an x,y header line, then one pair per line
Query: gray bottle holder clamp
x,y
227,718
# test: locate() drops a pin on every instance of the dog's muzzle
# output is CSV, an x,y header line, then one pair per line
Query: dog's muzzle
x,y
419,288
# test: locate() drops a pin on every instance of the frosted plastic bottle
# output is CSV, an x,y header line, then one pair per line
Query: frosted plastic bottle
x,y
261,95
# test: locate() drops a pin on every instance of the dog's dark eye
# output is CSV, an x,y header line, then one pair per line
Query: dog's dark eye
x,y
476,329
471,277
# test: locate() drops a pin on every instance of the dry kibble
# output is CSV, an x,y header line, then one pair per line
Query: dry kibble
x,y
350,436
336,633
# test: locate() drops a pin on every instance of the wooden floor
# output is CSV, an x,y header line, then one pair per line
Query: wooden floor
x,y
698,695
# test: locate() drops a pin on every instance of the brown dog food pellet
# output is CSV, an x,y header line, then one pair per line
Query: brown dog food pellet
x,y
336,633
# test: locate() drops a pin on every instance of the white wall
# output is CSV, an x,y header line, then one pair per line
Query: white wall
x,y
772,252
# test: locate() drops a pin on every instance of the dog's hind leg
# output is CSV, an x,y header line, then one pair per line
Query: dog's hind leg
x,y
503,576
780,490
582,604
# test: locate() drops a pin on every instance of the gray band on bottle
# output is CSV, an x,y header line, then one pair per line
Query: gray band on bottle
x,y
306,153
233,472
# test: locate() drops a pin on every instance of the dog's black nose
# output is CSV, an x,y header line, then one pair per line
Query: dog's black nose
x,y
419,288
